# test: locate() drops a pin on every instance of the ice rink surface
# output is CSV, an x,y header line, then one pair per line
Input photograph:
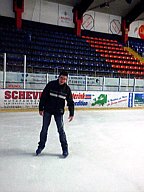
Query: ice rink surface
x,y
106,153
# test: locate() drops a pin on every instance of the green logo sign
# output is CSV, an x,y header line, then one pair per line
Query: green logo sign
x,y
101,100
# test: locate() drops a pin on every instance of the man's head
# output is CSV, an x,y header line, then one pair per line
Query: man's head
x,y
63,76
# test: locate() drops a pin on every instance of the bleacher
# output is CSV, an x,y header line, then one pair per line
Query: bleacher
x,y
137,45
49,48
114,54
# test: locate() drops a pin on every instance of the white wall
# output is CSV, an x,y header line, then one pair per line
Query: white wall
x,y
101,22
31,10
49,13
6,8
57,14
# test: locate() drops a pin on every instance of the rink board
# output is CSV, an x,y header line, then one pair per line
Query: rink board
x,y
27,99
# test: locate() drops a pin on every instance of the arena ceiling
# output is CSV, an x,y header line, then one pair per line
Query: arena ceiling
x,y
114,7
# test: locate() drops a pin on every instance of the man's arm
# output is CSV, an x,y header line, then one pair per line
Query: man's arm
x,y
70,118
43,98
41,113
70,104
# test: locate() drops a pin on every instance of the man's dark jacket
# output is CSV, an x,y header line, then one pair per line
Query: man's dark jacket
x,y
53,98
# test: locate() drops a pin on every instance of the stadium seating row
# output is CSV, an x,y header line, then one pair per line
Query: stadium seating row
x,y
49,48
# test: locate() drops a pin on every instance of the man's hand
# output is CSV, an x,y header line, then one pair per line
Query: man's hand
x,y
70,118
41,113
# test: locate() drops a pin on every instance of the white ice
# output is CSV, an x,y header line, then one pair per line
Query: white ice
x,y
106,153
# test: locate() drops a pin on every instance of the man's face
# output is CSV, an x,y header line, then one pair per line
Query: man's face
x,y
62,79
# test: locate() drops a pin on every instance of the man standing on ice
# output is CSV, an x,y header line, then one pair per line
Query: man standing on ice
x,y
52,102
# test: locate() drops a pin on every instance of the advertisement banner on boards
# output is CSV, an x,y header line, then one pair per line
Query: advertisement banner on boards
x,y
100,99
138,99
10,98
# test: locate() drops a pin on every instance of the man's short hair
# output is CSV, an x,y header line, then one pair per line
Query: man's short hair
x,y
64,73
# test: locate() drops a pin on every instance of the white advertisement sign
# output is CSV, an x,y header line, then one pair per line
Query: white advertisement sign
x,y
88,21
82,99
115,25
19,98
65,16
100,99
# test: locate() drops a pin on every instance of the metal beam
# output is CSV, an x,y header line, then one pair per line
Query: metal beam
x,y
82,7
134,13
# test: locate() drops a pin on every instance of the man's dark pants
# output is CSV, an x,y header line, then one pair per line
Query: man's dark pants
x,y
60,127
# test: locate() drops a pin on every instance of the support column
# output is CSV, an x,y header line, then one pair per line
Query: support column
x,y
18,7
4,72
78,22
125,30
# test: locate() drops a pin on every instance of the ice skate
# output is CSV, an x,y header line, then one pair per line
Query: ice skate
x,y
65,153
38,151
